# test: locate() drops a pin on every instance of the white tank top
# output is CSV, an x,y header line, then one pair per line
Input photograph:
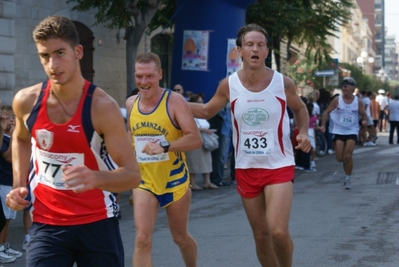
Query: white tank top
x,y
345,117
261,130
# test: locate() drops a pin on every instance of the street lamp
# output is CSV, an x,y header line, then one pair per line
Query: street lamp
x,y
381,75
363,59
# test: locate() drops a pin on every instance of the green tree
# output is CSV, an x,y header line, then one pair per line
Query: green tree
x,y
305,22
364,81
132,15
301,72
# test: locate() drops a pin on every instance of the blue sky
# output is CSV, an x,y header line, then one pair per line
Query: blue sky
x,y
392,17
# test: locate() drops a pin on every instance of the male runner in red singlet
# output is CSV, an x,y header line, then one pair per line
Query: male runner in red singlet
x,y
265,165
67,146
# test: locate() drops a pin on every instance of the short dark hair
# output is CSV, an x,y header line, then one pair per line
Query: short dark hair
x,y
195,97
148,57
349,81
6,108
54,27
250,28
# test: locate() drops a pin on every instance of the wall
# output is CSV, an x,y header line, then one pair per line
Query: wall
x,y
108,58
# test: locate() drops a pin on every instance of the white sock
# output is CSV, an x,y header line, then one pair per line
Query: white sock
x,y
27,238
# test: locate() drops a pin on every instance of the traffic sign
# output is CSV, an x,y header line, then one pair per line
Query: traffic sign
x,y
324,73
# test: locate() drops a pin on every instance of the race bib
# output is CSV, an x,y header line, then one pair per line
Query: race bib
x,y
257,142
346,119
50,167
139,143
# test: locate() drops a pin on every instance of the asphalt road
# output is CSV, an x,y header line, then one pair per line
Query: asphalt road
x,y
331,227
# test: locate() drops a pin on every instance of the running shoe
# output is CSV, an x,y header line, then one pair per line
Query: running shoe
x,y
5,257
10,251
309,170
312,164
24,245
347,183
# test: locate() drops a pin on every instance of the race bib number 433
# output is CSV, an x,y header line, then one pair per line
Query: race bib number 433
x,y
257,142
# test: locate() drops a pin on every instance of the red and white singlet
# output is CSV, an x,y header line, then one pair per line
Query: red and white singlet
x,y
261,130
55,145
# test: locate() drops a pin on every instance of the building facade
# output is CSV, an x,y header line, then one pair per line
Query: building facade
x,y
103,63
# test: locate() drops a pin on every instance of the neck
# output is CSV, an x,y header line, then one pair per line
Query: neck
x,y
69,90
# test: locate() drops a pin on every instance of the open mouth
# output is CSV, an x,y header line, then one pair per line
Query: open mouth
x,y
254,57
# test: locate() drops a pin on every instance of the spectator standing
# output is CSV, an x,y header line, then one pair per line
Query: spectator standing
x,y
7,254
71,182
218,122
375,113
323,102
178,88
393,112
162,129
4,257
383,101
366,131
200,159
303,159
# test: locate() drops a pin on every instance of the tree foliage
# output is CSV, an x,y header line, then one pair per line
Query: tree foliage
x,y
132,15
305,22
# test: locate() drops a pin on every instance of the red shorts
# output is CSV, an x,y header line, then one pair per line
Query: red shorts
x,y
251,182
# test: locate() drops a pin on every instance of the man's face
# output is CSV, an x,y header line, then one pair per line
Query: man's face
x,y
60,61
178,89
347,89
254,49
147,77
9,116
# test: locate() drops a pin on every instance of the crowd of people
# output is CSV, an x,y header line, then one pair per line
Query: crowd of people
x,y
69,190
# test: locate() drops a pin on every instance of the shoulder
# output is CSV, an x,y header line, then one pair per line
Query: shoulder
x,y
176,100
129,102
25,99
288,83
101,102
100,97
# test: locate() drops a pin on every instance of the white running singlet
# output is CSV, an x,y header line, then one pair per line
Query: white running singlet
x,y
261,130
345,117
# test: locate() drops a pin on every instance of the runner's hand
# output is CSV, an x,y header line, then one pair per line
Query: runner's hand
x,y
16,198
303,143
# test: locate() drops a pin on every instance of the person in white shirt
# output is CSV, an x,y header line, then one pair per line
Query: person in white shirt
x,y
366,132
383,101
393,112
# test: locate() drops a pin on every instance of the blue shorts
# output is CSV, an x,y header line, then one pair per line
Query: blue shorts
x,y
97,244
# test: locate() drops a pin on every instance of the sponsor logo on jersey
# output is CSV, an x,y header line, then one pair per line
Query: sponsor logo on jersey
x,y
44,139
255,116
73,128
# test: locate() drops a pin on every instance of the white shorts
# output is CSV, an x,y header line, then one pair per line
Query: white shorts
x,y
370,121
311,138
8,212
